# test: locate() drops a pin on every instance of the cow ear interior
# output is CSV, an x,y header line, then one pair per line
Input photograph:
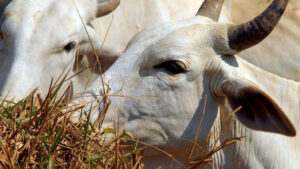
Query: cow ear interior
x,y
85,59
259,111
105,57
79,63
93,50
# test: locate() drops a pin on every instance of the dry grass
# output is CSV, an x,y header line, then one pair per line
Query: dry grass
x,y
38,133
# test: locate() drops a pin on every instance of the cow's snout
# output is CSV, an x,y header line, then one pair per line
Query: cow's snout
x,y
88,105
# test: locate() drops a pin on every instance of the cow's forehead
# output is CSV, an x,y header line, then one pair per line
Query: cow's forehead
x,y
34,11
171,34
20,8
33,21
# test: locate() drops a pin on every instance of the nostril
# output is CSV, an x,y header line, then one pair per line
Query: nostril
x,y
88,103
1,42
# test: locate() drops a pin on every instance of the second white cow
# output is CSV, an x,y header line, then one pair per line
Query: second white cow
x,y
39,40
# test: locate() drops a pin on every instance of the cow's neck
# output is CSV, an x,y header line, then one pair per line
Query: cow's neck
x,y
261,149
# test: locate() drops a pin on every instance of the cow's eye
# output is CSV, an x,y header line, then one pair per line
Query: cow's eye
x,y
70,46
173,67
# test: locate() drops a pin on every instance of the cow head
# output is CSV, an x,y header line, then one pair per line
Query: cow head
x,y
171,72
39,40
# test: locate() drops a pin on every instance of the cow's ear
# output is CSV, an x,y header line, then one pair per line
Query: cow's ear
x,y
91,61
105,56
95,51
258,111
106,6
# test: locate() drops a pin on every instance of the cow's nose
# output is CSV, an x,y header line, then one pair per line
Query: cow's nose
x,y
88,105
93,106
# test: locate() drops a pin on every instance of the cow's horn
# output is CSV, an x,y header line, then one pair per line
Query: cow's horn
x,y
106,6
211,9
251,33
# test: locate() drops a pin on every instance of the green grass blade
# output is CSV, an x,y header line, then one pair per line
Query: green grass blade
x,y
56,141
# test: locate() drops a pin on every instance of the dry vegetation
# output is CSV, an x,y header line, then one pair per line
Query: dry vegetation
x,y
38,133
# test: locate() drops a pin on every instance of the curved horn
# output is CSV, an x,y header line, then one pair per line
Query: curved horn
x,y
106,6
251,33
211,9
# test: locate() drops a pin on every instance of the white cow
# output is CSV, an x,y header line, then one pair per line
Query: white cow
x,y
39,40
170,73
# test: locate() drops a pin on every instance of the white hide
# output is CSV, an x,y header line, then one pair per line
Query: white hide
x,y
164,109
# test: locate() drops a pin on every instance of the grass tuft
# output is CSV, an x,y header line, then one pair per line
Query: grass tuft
x,y
38,133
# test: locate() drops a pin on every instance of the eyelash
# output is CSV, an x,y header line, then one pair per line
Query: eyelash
x,y
173,67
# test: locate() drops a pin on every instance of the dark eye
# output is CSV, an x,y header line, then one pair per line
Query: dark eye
x,y
173,67
70,46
